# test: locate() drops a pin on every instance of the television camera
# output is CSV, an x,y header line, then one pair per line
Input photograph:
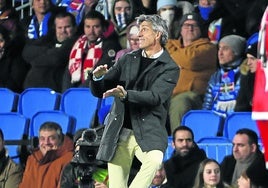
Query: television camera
x,y
84,160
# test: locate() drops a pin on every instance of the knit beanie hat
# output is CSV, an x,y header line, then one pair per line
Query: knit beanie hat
x,y
162,3
192,16
252,49
196,17
236,43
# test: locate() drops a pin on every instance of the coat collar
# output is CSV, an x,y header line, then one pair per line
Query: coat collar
x,y
134,65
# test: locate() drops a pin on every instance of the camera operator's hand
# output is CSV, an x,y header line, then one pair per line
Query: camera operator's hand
x,y
100,185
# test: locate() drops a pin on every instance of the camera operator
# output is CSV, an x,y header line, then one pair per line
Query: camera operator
x,y
84,171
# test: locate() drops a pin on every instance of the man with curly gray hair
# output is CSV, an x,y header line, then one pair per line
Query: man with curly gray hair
x,y
141,82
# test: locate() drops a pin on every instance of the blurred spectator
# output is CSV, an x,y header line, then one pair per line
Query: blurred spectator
x,y
186,6
224,84
149,6
254,16
90,50
204,8
251,179
182,167
79,8
13,67
245,94
49,55
160,180
10,172
169,11
209,175
133,40
246,157
40,22
197,59
143,6
235,17
9,18
123,13
44,165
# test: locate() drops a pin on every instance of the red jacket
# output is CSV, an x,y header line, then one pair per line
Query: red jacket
x,y
44,171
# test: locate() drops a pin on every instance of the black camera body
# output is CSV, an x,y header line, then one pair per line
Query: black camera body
x,y
88,146
84,160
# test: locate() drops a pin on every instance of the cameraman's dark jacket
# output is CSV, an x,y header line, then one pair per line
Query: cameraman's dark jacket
x,y
148,101
69,176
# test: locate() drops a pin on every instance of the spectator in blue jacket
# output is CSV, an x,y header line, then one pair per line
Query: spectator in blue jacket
x,y
224,84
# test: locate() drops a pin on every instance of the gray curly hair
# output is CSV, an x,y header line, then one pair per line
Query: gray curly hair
x,y
158,24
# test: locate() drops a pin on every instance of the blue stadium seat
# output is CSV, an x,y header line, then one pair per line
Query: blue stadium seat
x,y
169,150
238,120
33,100
66,122
203,123
8,100
216,147
80,104
15,128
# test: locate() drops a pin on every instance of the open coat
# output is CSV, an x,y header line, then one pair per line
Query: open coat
x,y
148,100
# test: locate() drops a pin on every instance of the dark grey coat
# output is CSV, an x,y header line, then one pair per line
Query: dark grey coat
x,y
148,100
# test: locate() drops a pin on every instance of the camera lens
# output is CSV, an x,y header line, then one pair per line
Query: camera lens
x,y
90,136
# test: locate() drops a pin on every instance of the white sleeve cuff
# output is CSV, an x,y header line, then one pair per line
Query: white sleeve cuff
x,y
97,79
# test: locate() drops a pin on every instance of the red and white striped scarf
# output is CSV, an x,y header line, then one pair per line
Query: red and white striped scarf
x,y
80,67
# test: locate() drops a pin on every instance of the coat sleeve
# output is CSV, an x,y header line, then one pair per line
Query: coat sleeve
x,y
14,175
242,100
209,98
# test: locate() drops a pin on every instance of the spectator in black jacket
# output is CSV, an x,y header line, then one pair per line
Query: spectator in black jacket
x,y
49,55
245,94
9,18
246,155
181,168
13,68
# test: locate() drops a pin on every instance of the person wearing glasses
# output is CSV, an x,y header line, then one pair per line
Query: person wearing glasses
x,y
197,58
